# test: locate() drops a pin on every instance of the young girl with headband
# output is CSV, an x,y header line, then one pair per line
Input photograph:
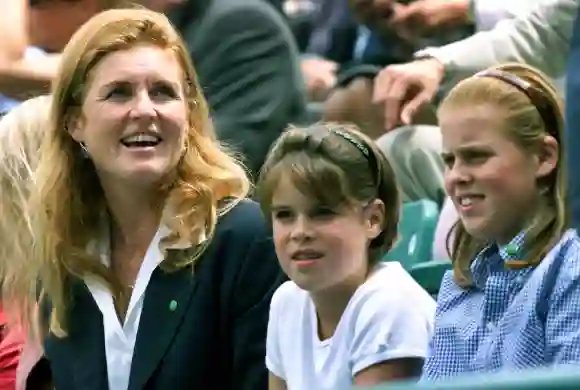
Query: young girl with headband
x,y
511,300
344,318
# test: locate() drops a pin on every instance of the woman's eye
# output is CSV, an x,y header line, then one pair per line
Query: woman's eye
x,y
165,92
119,92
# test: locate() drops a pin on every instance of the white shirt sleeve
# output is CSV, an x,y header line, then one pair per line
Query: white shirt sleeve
x,y
273,354
489,12
388,329
540,38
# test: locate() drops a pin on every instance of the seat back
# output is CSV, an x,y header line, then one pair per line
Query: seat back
x,y
430,273
416,232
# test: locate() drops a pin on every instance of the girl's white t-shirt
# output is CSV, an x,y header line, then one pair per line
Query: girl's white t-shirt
x,y
389,317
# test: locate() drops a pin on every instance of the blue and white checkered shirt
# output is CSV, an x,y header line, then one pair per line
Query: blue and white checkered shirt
x,y
512,319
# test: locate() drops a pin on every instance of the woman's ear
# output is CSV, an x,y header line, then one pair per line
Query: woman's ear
x,y
75,127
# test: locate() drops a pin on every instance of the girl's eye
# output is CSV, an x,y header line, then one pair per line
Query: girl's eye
x,y
476,158
282,214
448,160
322,212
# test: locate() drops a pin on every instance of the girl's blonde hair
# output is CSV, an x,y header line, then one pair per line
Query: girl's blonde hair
x,y
533,110
67,202
334,165
21,132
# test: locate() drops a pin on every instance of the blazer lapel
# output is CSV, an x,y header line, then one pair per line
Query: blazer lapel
x,y
84,346
166,300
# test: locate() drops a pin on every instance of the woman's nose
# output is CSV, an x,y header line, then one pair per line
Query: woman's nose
x,y
143,106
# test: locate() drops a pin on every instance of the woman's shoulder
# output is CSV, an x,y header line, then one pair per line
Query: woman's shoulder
x,y
244,219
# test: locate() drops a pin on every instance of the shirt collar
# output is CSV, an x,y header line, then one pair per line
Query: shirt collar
x,y
493,256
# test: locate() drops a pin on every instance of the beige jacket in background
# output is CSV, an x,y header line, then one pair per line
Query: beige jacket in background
x,y
540,37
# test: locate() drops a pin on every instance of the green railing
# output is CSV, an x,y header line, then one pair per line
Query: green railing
x,y
563,378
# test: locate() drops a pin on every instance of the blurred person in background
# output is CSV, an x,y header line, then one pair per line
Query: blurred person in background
x,y
375,43
414,147
33,32
379,43
248,67
25,70
20,137
539,33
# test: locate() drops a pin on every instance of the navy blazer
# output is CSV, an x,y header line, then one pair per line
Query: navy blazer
x,y
214,339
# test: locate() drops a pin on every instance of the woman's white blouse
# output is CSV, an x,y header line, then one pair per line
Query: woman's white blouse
x,y
120,337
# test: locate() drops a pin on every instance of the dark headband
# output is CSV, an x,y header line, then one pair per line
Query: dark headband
x,y
369,155
356,143
538,98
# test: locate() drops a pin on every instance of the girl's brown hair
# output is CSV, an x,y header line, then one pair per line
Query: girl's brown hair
x,y
336,165
533,110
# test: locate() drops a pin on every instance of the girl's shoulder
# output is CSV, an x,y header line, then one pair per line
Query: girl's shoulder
x,y
389,294
288,297
568,246
561,265
563,258
391,284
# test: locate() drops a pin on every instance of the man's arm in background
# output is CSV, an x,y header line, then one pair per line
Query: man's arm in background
x,y
21,77
25,78
540,38
487,13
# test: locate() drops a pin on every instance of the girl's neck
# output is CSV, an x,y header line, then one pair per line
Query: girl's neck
x,y
329,310
331,303
538,214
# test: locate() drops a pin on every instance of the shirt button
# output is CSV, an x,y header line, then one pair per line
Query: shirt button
x,y
511,250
